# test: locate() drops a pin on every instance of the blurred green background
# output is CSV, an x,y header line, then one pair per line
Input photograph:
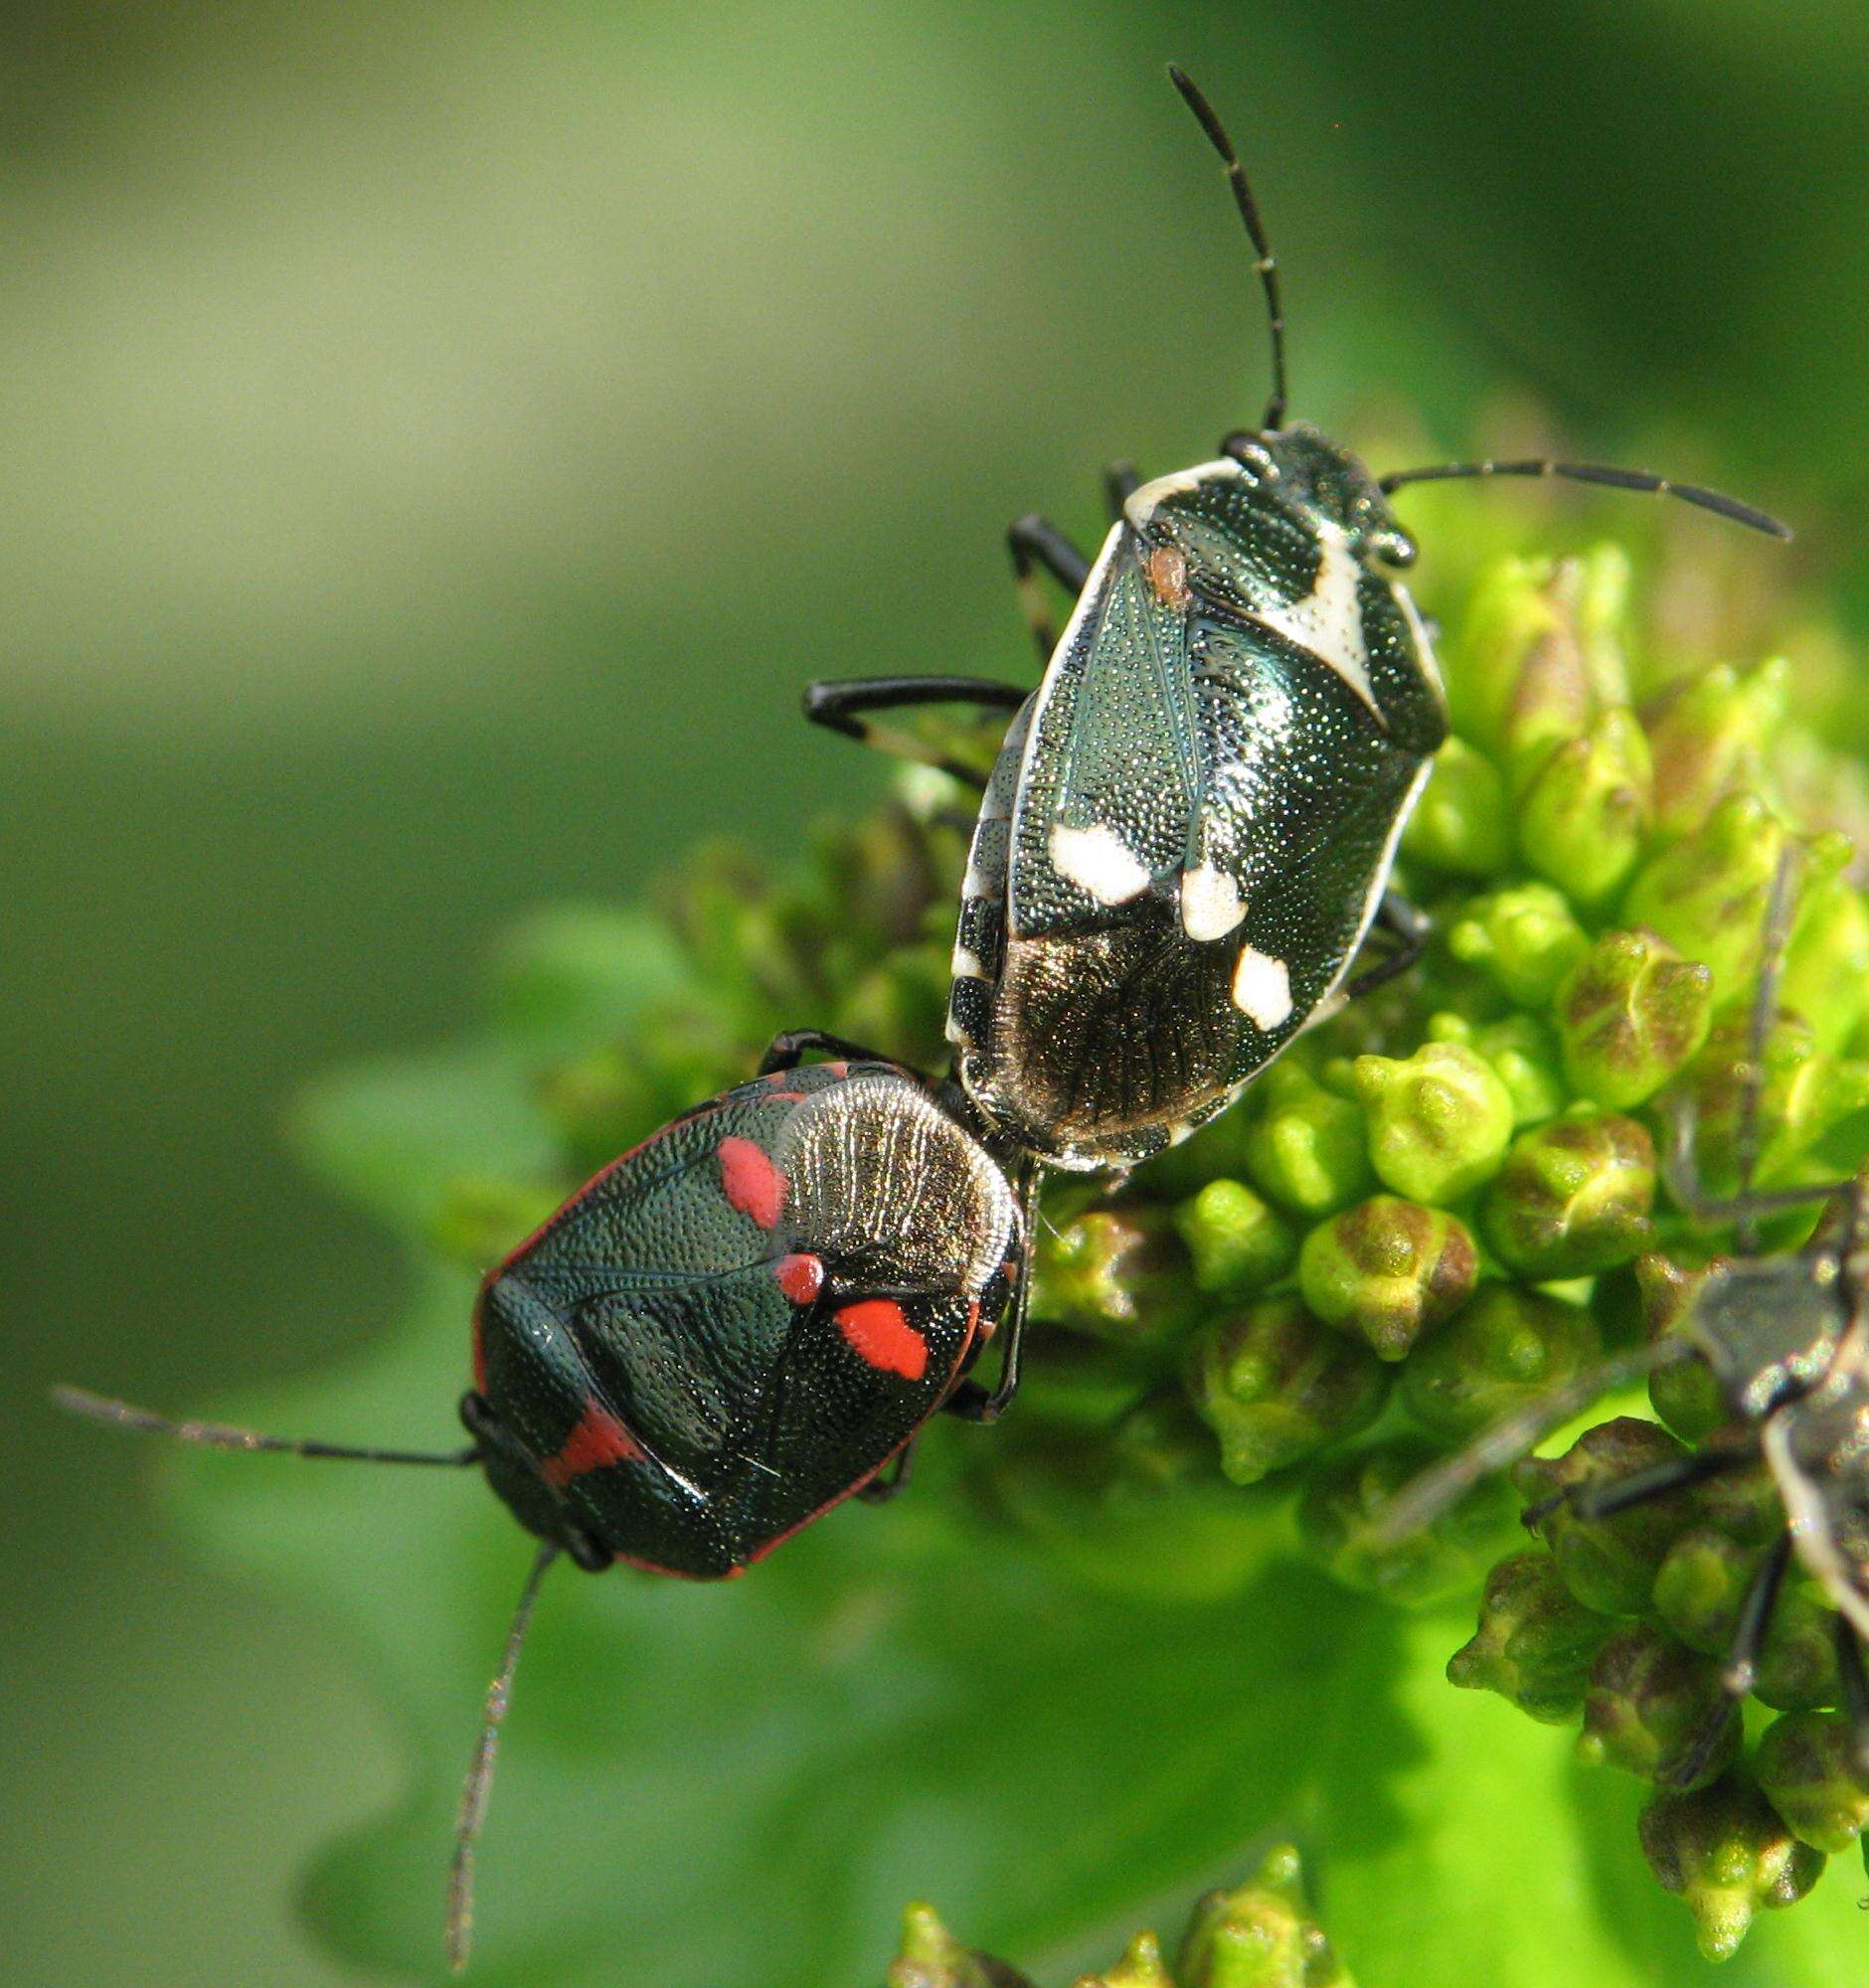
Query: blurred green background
x,y
437,441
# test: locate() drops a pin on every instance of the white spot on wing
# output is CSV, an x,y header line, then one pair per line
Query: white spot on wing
x,y
1262,989
1211,904
1328,621
1098,862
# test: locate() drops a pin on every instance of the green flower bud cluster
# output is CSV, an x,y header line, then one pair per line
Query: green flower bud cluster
x,y
1441,1202
1259,1934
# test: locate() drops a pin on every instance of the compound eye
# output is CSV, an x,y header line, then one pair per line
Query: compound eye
x,y
1395,549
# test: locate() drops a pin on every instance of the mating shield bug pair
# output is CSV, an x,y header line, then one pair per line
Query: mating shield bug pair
x,y
1184,842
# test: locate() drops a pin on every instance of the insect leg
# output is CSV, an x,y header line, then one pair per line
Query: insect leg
x,y
789,1048
220,1435
1641,1486
841,707
1742,1664
1034,543
969,1400
1410,927
479,1782
880,1489
1121,480
1855,1688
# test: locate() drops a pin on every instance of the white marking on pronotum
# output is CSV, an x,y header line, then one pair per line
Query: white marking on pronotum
x,y
1262,989
1211,904
1140,505
1424,648
1097,859
1328,621
966,965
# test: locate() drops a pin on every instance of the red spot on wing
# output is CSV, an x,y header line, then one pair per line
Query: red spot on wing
x,y
598,1439
839,1069
800,1277
750,1182
879,1331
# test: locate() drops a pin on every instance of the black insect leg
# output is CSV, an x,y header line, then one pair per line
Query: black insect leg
x,y
886,1484
1410,927
1034,543
1639,1487
1742,1664
1855,1692
842,706
1121,482
969,1400
789,1048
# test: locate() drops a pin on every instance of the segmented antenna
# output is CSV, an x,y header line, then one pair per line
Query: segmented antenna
x,y
1513,1436
221,1436
1265,267
480,1783
1716,501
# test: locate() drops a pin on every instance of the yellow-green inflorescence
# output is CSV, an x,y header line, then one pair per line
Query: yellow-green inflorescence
x,y
1436,1205
1258,1934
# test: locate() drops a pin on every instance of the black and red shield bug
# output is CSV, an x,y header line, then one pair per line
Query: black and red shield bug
x,y
728,1331
1191,826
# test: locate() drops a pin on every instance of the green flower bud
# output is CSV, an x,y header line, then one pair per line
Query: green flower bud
x,y
1141,1967
1506,1348
1609,1563
1808,1771
931,1957
1798,1666
1648,1704
1700,1585
1541,652
1727,1854
1535,1642
481,1221
1118,1272
1260,1935
1805,1096
1709,735
1236,1241
1685,1394
1307,1147
1387,1271
1631,1013
1461,822
1274,1383
1572,1197
1345,1498
1707,894
1438,1121
1826,964
1583,813
1522,938
1524,1050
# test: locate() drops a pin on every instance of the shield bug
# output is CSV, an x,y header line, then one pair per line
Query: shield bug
x,y
728,1331
1787,1339
1191,826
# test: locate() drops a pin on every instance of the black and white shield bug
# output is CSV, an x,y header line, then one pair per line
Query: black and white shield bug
x,y
728,1331
1190,829
1787,1339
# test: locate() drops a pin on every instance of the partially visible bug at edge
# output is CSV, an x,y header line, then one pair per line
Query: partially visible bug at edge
x,y
1787,1339
1191,825
1186,838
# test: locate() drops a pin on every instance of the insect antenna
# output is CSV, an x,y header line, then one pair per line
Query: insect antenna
x,y
479,1782
1716,501
222,1435
1264,266
1513,1436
